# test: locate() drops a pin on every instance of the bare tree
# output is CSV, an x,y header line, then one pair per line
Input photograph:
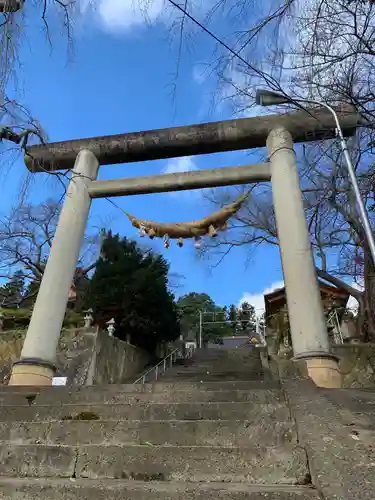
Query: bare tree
x,y
16,122
321,50
26,237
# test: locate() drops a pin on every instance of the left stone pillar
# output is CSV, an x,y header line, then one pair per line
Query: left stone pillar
x,y
36,366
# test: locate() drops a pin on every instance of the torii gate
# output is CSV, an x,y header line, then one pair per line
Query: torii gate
x,y
36,366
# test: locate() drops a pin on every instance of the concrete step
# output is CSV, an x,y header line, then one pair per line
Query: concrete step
x,y
243,353
156,386
225,385
354,400
214,374
208,377
204,378
248,362
140,411
83,489
258,396
254,465
215,369
271,431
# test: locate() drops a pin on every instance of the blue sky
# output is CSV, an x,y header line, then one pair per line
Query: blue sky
x,y
120,79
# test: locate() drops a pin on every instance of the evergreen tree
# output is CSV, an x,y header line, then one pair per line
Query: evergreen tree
x,y
233,318
247,317
131,285
12,292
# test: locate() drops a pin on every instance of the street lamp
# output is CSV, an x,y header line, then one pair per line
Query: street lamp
x,y
10,5
269,98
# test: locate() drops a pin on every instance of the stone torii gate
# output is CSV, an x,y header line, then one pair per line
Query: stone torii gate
x,y
36,366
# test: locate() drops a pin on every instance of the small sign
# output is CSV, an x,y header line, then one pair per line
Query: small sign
x,y
59,380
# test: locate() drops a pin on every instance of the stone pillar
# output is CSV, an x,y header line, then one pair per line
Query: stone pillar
x,y
306,316
37,364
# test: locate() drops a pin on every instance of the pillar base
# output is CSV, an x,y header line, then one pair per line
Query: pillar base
x,y
324,372
33,372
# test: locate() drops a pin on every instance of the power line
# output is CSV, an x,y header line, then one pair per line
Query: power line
x,y
218,40
269,79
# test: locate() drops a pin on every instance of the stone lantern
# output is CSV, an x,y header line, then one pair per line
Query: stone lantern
x,y
89,318
111,327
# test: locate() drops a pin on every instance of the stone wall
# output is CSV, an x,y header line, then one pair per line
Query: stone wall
x,y
84,356
116,361
357,364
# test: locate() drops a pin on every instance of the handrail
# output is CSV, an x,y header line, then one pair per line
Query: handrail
x,y
163,362
334,322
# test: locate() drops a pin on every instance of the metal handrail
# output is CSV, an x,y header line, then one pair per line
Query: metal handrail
x,y
334,322
171,357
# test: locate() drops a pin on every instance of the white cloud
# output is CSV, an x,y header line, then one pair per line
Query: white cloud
x,y
257,299
201,73
123,16
178,165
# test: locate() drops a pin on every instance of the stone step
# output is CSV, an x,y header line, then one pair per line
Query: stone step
x,y
243,353
225,385
271,431
211,375
83,489
217,374
140,411
354,400
208,378
286,464
248,362
52,398
215,368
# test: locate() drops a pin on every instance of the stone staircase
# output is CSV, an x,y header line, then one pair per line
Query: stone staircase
x,y
218,365
213,427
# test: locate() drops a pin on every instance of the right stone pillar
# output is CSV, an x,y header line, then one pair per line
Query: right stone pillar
x,y
306,315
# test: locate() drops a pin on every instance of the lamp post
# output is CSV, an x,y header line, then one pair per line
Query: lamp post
x,y
269,98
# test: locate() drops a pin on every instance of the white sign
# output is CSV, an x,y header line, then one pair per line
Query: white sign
x,y
59,380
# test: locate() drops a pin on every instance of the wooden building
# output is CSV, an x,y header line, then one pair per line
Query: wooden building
x,y
276,312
